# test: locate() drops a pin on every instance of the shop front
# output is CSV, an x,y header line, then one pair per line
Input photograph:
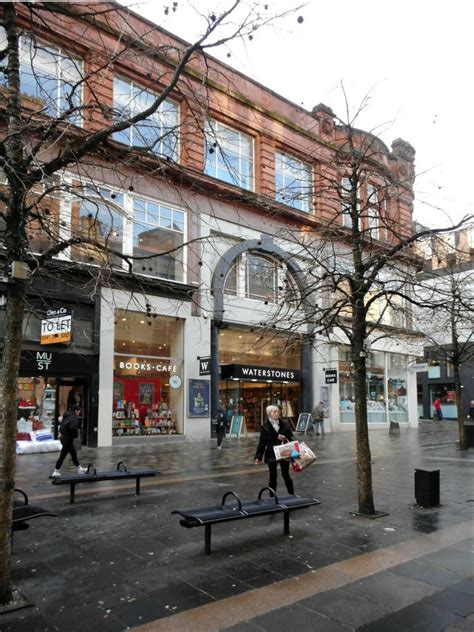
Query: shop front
x,y
386,387
248,390
147,378
256,370
50,382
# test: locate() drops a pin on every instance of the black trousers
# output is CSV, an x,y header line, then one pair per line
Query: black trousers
x,y
68,448
285,472
220,436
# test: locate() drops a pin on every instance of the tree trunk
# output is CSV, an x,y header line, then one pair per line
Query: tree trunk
x,y
456,362
10,369
364,466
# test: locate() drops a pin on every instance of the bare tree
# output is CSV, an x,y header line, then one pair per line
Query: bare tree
x,y
445,288
360,263
59,135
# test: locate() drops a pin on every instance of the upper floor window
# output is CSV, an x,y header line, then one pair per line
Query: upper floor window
x,y
292,182
260,278
346,202
229,155
98,217
158,238
158,133
373,212
50,74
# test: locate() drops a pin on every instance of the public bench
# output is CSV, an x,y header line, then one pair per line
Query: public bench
x,y
207,516
93,476
23,512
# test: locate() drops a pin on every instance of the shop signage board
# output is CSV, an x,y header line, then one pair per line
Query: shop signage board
x,y
420,367
237,426
198,398
331,376
303,423
259,373
205,366
56,328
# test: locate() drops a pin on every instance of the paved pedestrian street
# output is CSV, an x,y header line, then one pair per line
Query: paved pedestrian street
x,y
115,561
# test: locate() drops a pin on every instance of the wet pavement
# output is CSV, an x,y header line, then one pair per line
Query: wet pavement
x,y
114,561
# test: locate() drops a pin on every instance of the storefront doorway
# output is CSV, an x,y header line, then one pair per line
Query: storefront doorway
x,y
42,400
250,400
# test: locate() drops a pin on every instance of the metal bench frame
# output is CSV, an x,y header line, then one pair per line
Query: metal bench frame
x,y
207,516
93,476
23,512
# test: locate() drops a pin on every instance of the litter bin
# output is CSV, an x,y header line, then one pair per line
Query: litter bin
x,y
469,430
427,488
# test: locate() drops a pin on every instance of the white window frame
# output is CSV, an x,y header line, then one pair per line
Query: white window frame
x,y
280,275
131,105
346,192
291,170
174,209
126,210
373,212
61,73
215,147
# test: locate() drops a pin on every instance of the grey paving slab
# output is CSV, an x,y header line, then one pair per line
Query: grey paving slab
x,y
344,607
456,601
297,618
426,573
390,590
111,553
414,618
459,562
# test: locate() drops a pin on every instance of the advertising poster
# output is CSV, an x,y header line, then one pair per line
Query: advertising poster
x,y
198,398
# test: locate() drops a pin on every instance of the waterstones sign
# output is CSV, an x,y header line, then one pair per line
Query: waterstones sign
x,y
259,373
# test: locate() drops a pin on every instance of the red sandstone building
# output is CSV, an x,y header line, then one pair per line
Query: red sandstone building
x,y
232,186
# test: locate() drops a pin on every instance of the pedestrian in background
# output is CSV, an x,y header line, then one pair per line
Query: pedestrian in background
x,y
438,409
317,417
274,431
470,412
221,426
69,429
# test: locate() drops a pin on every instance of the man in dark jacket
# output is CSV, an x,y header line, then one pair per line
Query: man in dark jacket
x,y
274,431
221,426
69,429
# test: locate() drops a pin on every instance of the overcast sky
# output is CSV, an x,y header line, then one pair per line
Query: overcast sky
x,y
413,57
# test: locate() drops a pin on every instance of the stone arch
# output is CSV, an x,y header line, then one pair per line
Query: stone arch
x,y
265,246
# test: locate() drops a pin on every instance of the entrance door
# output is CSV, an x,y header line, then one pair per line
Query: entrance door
x,y
71,392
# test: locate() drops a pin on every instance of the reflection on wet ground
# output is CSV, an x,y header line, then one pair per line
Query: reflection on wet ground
x,y
115,560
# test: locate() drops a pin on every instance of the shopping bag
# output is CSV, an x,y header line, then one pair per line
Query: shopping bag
x,y
286,450
305,458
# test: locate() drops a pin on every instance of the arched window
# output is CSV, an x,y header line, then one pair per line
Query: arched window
x,y
260,278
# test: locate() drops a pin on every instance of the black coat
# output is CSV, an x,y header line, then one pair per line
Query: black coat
x,y
69,426
269,438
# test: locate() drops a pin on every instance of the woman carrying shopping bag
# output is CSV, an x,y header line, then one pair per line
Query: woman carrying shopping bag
x,y
274,431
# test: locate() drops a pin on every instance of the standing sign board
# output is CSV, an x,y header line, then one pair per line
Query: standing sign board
x,y
303,423
237,426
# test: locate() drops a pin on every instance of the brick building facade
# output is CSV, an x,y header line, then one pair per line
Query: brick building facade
x,y
214,196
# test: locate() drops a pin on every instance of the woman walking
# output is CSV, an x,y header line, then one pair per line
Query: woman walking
x,y
274,431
